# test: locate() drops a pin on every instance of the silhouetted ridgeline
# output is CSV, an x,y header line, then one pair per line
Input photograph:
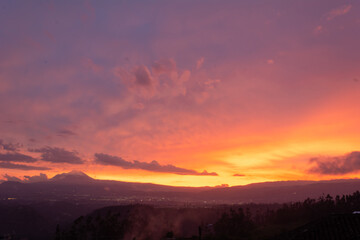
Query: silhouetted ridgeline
x,y
80,187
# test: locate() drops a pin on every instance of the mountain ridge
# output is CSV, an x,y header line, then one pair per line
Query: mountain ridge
x,y
74,184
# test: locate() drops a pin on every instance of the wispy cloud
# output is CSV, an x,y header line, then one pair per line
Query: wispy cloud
x,y
338,12
153,166
199,63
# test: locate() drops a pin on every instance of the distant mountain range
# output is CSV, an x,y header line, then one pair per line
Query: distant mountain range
x,y
79,186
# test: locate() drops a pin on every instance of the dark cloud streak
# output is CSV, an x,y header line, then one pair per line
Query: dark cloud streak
x,y
153,166
239,175
8,165
65,132
16,157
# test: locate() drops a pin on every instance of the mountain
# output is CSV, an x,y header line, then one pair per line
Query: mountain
x,y
72,177
279,192
77,185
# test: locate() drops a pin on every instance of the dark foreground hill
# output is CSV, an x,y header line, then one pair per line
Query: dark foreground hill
x,y
324,218
140,222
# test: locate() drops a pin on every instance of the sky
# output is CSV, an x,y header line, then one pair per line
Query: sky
x,y
183,93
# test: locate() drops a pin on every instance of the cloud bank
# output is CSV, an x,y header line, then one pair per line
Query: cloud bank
x,y
9,154
36,178
58,155
348,163
27,179
11,178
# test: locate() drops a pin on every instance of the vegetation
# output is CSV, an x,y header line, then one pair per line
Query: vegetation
x,y
252,221
273,223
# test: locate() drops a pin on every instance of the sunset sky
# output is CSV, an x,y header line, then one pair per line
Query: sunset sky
x,y
186,93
